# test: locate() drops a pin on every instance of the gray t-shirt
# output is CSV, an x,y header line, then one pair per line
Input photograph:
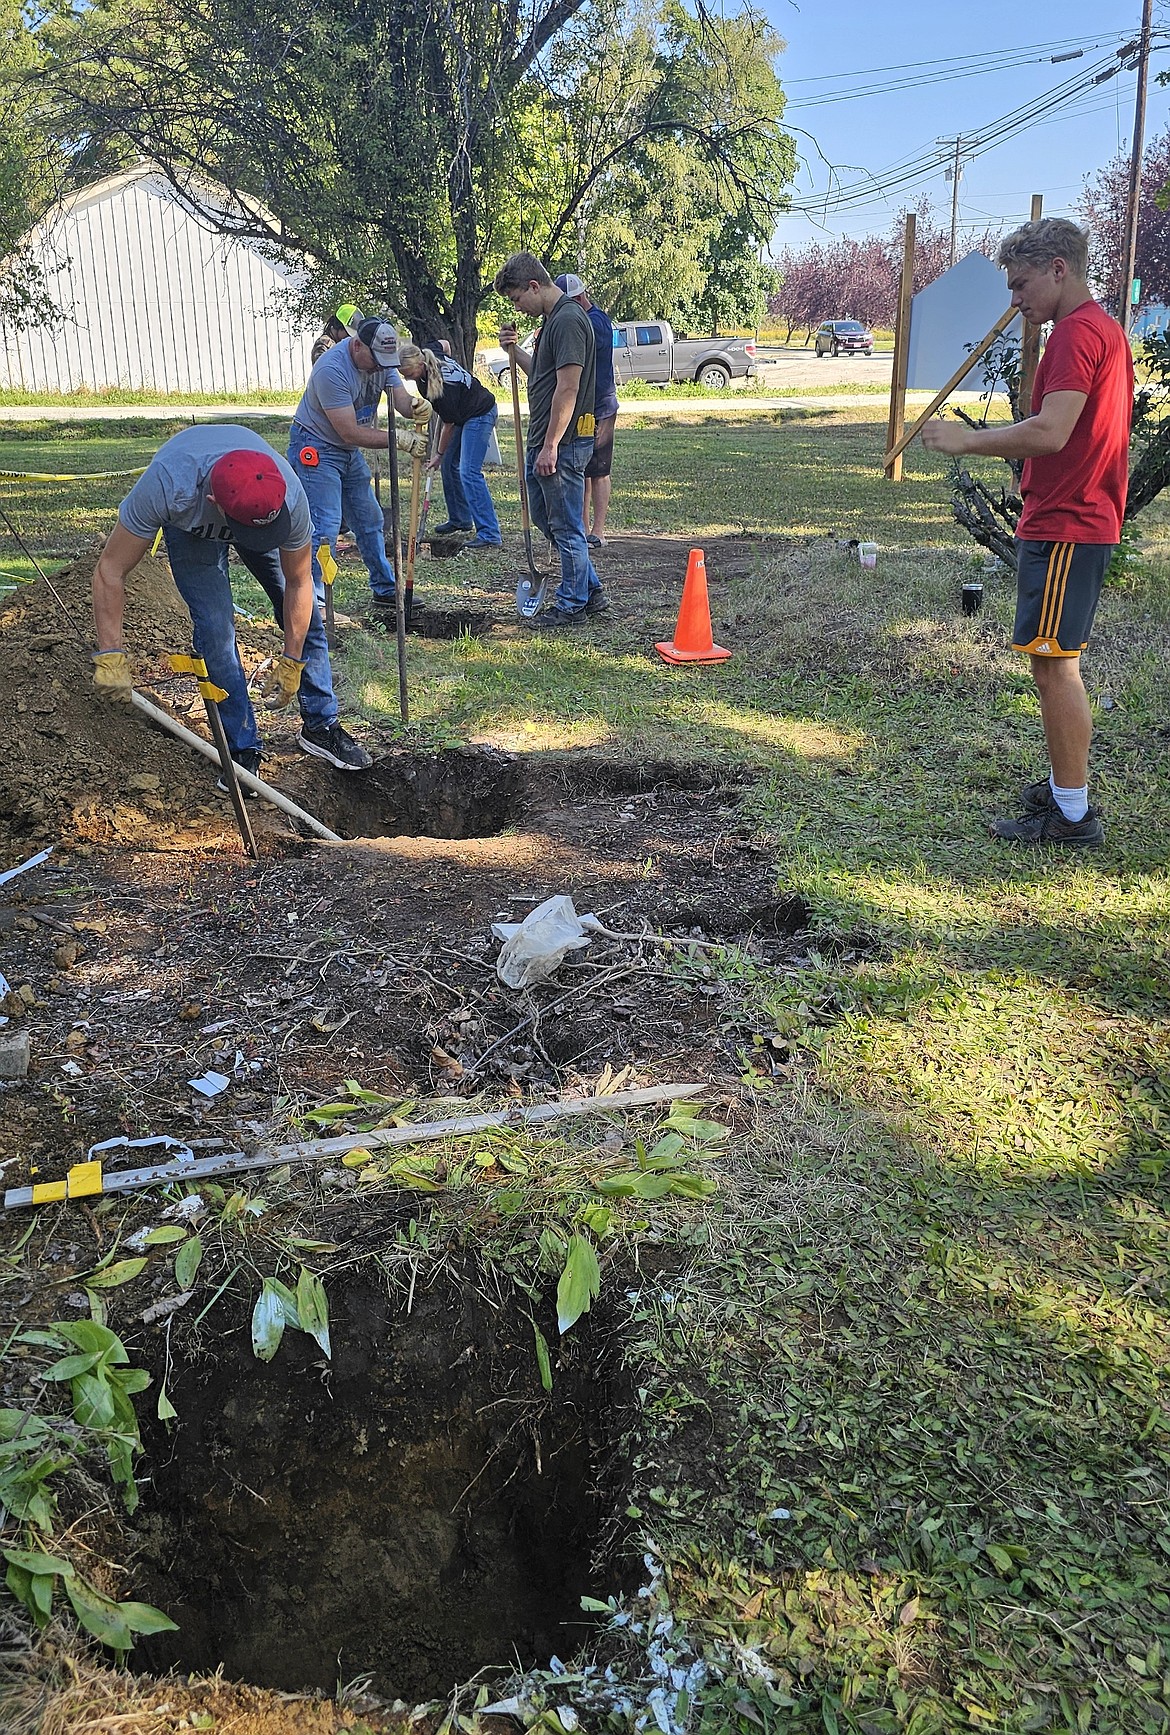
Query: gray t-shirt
x,y
566,340
336,384
173,490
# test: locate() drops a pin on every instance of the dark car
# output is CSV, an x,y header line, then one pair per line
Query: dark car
x,y
844,337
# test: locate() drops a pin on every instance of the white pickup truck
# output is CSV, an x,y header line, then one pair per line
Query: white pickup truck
x,y
649,350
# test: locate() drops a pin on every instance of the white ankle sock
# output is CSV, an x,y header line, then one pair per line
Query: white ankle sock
x,y
1073,803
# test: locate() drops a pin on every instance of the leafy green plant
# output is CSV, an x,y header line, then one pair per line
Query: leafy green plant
x,y
278,1306
356,1106
32,1451
33,1576
101,1383
662,1168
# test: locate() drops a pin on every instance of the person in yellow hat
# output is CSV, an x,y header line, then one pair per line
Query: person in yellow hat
x,y
338,327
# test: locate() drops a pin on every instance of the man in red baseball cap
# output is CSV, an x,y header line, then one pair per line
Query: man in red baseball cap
x,y
208,489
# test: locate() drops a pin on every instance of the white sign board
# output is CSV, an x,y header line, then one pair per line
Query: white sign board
x,y
950,317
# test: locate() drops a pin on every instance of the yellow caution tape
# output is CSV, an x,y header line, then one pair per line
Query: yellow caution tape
x,y
327,563
91,476
183,665
157,543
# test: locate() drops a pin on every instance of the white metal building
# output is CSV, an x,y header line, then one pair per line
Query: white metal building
x,y
153,300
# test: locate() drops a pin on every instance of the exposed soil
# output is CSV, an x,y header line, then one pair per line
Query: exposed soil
x,y
414,1509
148,950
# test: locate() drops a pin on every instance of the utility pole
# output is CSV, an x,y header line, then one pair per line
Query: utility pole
x,y
1133,205
954,174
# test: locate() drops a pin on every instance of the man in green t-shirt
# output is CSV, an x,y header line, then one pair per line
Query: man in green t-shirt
x,y
561,373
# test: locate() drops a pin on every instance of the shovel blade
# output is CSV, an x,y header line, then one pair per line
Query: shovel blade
x,y
530,595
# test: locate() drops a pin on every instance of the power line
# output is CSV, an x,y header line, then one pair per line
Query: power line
x,y
1065,42
901,175
916,81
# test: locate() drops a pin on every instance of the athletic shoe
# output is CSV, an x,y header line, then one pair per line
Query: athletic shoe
x,y
598,602
450,529
596,541
248,759
1049,826
1037,796
334,745
478,547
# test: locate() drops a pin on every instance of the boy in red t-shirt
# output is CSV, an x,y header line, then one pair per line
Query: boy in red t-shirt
x,y
1076,450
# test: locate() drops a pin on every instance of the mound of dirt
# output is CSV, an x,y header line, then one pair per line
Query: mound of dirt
x,y
82,771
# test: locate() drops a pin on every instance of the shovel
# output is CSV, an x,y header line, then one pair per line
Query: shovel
x,y
530,592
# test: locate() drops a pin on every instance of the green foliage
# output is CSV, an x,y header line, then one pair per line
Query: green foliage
x,y
579,1283
277,1307
33,1449
101,1384
413,150
33,1576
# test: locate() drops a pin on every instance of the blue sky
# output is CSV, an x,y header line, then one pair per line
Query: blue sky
x,y
830,38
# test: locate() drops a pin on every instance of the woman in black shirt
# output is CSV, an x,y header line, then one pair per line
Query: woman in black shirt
x,y
468,413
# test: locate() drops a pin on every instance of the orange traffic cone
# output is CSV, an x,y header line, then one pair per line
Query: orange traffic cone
x,y
692,642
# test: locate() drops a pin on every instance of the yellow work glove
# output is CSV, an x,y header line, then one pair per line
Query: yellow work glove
x,y
111,677
421,411
414,445
282,683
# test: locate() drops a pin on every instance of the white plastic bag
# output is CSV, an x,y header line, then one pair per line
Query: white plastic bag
x,y
536,947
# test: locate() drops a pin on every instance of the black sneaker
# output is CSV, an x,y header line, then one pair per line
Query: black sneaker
x,y
248,759
1049,826
1038,796
598,602
334,745
450,529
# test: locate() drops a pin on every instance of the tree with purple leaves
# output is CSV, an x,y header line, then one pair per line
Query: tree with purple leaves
x,y
1102,207
857,278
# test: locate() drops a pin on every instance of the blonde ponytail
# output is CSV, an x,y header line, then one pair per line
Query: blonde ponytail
x,y
432,383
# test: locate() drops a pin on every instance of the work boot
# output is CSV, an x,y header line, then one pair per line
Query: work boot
x,y
334,745
450,529
598,602
1049,826
559,617
248,759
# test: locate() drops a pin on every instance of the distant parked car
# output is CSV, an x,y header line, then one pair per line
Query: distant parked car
x,y
498,363
844,337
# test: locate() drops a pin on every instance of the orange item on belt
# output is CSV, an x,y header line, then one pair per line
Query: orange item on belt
x,y
309,457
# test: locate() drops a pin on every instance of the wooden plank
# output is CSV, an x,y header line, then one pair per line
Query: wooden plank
x,y
897,421
1030,345
940,397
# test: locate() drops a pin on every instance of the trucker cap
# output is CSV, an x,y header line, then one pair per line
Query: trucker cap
x,y
250,492
349,316
570,283
381,339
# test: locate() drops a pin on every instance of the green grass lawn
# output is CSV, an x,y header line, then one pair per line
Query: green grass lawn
x,y
916,1350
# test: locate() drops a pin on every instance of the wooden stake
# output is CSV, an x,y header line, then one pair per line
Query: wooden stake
x,y
1030,345
897,421
940,397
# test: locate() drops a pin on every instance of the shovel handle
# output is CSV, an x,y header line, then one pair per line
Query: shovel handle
x,y
525,520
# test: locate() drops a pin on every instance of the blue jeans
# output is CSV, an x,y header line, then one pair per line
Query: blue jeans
x,y
200,571
557,505
340,481
464,487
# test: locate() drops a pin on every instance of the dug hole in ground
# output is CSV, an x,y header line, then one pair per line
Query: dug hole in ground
x,y
433,1493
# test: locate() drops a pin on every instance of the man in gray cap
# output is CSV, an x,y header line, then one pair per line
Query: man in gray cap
x,y
335,421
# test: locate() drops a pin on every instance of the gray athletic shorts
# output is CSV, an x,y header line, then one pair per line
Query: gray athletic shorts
x,y
1058,587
